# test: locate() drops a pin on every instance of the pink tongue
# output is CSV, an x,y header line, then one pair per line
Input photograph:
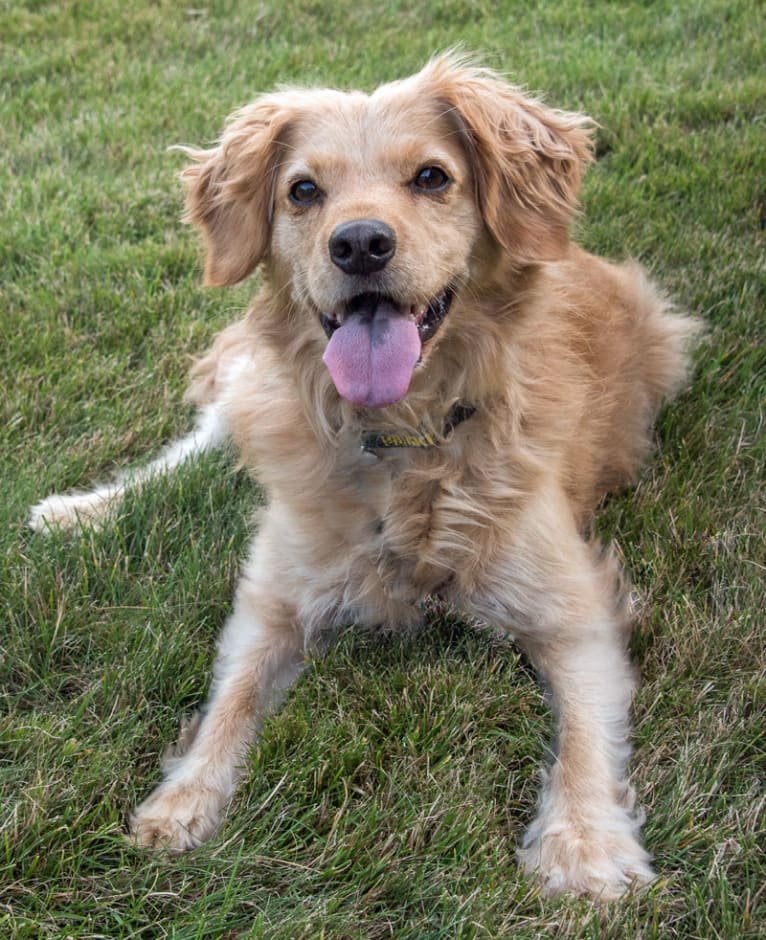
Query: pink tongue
x,y
371,357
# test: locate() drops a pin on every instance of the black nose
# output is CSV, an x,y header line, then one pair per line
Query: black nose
x,y
362,246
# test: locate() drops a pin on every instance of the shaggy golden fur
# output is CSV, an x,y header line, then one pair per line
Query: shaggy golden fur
x,y
565,358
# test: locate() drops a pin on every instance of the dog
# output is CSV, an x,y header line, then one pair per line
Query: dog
x,y
435,387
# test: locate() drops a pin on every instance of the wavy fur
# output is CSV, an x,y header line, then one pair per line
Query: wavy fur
x,y
565,357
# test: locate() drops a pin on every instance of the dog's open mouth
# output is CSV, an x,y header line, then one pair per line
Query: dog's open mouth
x,y
375,344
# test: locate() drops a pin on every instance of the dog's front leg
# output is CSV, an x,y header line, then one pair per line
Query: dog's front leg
x,y
261,654
585,837
562,600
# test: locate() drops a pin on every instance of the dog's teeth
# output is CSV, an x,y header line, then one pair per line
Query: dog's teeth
x,y
330,323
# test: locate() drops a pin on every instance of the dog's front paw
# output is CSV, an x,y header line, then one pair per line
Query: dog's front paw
x,y
585,858
177,817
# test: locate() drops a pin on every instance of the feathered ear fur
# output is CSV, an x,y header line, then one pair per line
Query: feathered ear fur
x,y
229,190
528,159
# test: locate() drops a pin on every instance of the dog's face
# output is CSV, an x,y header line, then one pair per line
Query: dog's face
x,y
375,225
366,203
373,213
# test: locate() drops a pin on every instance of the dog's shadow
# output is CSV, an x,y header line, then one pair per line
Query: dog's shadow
x,y
450,707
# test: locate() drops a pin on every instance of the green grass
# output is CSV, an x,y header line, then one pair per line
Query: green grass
x,y
387,796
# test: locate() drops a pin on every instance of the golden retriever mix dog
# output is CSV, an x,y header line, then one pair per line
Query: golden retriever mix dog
x,y
435,387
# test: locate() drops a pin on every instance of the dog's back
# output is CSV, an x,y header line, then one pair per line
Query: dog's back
x,y
602,349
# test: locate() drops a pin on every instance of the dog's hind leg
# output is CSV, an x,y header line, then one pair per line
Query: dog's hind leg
x,y
71,510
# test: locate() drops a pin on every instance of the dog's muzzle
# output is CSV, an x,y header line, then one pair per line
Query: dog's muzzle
x,y
376,343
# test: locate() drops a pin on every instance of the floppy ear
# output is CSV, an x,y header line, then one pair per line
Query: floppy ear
x,y
528,159
229,190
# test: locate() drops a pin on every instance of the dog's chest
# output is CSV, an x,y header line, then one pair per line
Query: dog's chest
x,y
426,524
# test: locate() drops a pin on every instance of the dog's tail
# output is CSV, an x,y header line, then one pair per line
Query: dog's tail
x,y
91,507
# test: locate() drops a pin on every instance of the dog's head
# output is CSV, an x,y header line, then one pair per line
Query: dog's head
x,y
373,213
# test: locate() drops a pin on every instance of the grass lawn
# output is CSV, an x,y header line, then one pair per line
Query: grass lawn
x,y
387,796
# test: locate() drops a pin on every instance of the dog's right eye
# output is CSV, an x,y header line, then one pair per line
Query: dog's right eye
x,y
304,192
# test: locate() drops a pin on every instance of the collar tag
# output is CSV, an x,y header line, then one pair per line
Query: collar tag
x,y
382,440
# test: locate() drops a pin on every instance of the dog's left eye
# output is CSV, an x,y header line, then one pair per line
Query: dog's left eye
x,y
304,192
432,179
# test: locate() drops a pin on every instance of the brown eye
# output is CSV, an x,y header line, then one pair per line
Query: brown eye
x,y
304,192
431,179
